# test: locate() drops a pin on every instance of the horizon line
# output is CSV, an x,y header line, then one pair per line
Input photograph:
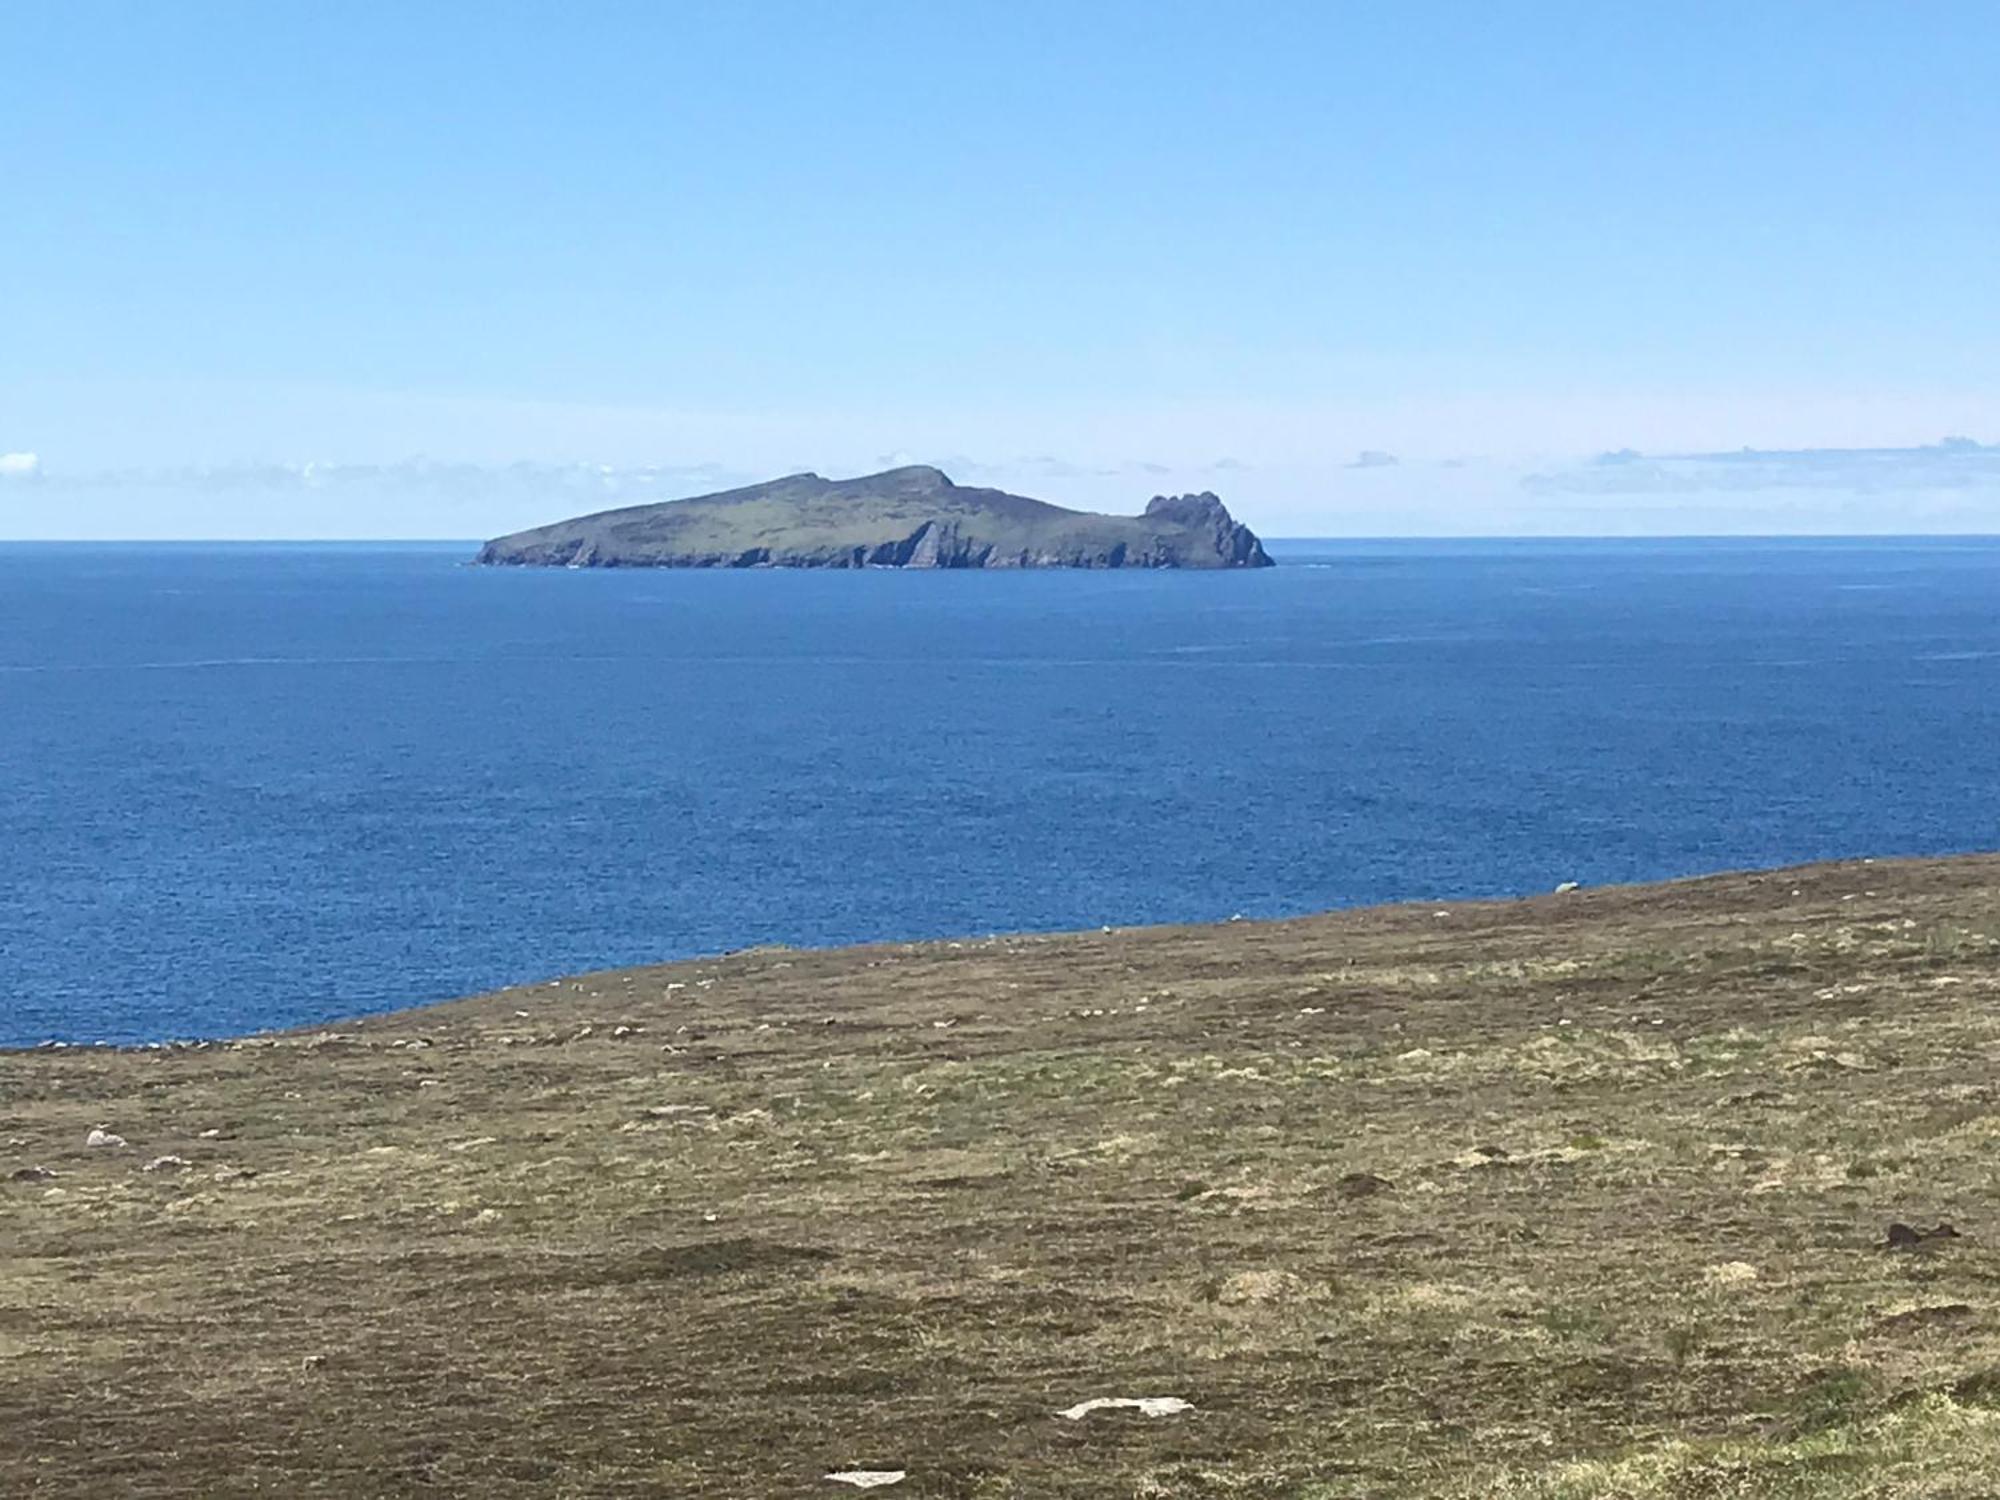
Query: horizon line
x,y
1371,536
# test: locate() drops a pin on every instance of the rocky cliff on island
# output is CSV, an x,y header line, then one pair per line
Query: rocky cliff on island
x,y
911,517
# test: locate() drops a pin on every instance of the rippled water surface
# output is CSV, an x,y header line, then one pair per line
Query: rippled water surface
x,y
244,787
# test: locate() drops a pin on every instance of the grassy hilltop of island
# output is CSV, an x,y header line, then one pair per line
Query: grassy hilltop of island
x,y
911,517
1674,1191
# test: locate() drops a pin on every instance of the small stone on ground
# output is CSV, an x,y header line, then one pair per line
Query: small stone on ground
x,y
1146,1406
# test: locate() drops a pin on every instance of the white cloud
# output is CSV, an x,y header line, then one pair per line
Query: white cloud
x,y
1957,464
1943,487
428,478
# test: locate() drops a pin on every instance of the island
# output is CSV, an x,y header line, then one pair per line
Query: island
x,y
912,517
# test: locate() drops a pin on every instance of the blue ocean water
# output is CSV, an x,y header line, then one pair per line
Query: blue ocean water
x,y
245,787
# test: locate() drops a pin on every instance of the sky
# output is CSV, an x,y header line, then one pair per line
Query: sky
x,y
283,269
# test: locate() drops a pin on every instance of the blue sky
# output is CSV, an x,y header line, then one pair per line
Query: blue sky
x,y
1087,251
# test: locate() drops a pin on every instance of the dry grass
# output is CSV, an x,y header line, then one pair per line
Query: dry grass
x,y
1575,1197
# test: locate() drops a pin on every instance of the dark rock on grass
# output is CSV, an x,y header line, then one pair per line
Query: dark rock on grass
x,y
1918,1318
1361,1185
960,1181
1904,1237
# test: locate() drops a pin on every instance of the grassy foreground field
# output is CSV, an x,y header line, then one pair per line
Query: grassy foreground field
x,y
1582,1196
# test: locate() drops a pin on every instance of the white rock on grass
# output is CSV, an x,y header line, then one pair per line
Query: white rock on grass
x,y
101,1138
1146,1406
166,1164
1251,1288
869,1479
1729,1273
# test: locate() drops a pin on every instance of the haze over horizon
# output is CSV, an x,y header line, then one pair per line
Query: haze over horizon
x,y
377,272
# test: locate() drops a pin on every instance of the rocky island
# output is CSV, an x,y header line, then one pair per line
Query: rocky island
x,y
912,517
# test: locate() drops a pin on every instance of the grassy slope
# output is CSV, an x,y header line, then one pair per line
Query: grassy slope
x,y
700,526
892,1207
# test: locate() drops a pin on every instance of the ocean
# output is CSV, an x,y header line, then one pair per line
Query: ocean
x,y
251,786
